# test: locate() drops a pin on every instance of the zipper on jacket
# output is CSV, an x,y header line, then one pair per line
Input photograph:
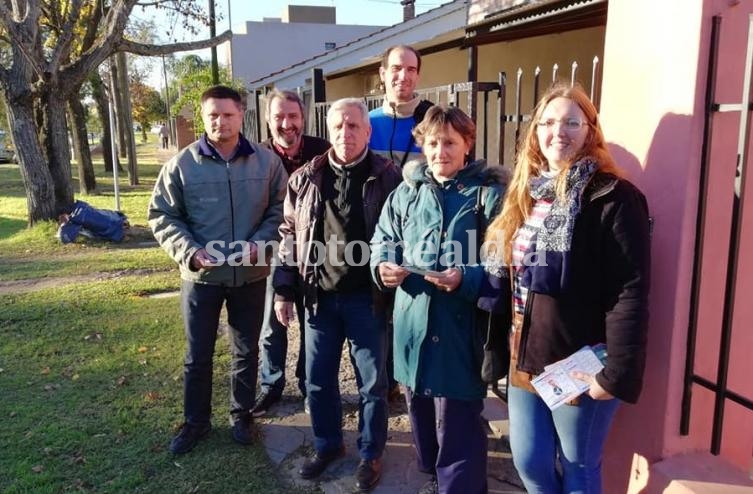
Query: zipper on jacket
x,y
232,214
524,327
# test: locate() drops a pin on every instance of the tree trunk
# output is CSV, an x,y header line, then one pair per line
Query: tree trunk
x,y
87,183
133,175
40,191
55,144
103,109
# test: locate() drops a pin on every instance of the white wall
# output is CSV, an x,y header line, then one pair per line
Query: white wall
x,y
267,47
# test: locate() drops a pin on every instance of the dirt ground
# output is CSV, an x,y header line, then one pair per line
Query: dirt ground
x,y
286,433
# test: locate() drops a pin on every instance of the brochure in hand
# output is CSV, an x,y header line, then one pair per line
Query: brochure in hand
x,y
421,272
556,387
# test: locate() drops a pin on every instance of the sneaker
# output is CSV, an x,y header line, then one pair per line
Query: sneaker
x,y
368,473
314,466
264,402
188,437
242,433
430,487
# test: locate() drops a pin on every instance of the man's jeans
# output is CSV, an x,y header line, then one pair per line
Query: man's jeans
x,y
575,434
273,346
339,316
201,305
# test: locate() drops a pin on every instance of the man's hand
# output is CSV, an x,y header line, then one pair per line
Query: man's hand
x,y
391,274
247,257
202,260
285,312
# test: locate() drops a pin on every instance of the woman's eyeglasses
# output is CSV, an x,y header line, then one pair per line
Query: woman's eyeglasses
x,y
571,124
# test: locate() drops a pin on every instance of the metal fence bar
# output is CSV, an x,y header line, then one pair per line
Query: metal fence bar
x,y
518,113
594,75
730,292
700,224
573,73
536,77
501,101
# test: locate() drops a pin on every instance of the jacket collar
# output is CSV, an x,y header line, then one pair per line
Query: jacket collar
x,y
206,149
417,172
401,110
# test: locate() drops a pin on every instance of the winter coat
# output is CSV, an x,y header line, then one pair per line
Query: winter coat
x,y
436,338
303,216
201,201
607,297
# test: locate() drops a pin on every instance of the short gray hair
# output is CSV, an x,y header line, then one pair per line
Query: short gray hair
x,y
341,104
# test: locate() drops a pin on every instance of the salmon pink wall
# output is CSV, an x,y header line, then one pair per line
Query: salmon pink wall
x,y
653,115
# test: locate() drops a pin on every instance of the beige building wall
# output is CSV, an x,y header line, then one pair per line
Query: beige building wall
x,y
563,49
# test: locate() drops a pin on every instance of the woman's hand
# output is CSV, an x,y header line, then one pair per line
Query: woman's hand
x,y
595,390
447,281
391,274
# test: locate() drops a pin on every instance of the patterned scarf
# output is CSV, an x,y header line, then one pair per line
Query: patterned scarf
x,y
556,233
554,238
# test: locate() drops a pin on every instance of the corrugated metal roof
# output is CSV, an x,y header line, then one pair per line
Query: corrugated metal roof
x,y
528,13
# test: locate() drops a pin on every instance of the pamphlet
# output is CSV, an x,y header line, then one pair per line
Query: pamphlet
x,y
421,272
556,387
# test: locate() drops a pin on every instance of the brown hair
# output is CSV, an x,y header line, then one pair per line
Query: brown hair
x,y
531,162
386,55
439,116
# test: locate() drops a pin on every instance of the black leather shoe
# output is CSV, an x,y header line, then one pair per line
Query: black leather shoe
x,y
188,437
314,466
430,487
242,433
264,402
368,473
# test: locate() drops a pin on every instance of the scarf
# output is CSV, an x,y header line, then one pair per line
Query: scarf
x,y
554,239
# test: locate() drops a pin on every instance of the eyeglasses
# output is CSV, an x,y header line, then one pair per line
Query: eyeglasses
x,y
570,124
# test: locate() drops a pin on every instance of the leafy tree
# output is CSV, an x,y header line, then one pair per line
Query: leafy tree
x,y
41,69
192,76
147,106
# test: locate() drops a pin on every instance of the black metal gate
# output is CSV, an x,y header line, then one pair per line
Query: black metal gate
x,y
719,119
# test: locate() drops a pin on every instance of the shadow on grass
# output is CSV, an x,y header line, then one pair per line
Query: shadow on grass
x,y
10,226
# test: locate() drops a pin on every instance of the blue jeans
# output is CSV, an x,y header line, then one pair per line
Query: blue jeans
x,y
201,305
341,316
574,434
450,440
273,346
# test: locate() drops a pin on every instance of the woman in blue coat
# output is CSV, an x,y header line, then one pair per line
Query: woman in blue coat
x,y
426,247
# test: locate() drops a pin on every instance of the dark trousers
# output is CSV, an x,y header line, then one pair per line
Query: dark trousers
x,y
201,305
340,317
273,345
450,440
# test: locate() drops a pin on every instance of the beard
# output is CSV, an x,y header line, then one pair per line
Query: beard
x,y
289,137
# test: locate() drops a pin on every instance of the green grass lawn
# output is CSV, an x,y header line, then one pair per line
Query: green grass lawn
x,y
91,373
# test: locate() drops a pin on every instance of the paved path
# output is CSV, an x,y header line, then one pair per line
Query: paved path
x,y
288,439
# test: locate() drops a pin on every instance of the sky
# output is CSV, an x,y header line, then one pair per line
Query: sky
x,y
363,12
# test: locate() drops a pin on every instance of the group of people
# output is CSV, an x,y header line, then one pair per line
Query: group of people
x,y
401,211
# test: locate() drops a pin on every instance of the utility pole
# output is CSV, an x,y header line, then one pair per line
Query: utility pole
x,y
212,34
167,104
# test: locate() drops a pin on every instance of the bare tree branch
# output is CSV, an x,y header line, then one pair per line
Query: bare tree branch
x,y
153,50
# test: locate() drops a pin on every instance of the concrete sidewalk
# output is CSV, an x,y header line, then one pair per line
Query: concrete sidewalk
x,y
288,440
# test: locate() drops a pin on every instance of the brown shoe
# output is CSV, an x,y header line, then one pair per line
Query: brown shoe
x,y
314,466
368,473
